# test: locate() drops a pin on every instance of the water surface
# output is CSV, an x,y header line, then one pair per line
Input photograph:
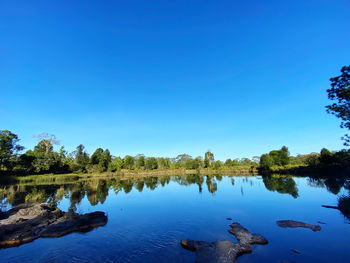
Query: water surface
x,y
148,217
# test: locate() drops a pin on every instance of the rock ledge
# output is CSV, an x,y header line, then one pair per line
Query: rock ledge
x,y
224,251
28,222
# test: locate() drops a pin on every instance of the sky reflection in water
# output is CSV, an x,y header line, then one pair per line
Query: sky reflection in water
x,y
149,216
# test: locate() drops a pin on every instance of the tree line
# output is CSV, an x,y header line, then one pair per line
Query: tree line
x,y
44,159
277,159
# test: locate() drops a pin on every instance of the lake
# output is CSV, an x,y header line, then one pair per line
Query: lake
x,y
149,216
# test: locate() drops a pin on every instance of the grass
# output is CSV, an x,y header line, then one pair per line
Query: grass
x,y
59,179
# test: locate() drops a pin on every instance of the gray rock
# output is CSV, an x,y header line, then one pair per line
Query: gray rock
x,y
224,251
295,224
28,222
244,236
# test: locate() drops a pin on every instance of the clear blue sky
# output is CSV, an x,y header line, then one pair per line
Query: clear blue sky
x,y
166,77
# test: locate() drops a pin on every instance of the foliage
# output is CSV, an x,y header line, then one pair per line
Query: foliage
x,y
129,162
140,162
100,160
275,157
281,184
81,158
208,159
340,92
9,148
164,163
151,163
266,162
44,159
116,164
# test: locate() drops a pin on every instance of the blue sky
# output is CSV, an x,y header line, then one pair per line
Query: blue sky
x,y
166,77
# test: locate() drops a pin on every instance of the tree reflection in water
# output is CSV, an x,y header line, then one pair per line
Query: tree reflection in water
x,y
96,189
281,184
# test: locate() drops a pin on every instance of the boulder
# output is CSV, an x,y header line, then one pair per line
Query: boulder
x,y
224,251
295,224
28,222
244,236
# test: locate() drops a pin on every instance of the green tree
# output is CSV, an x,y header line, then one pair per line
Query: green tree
x,y
47,140
217,165
181,159
151,163
198,162
164,163
284,156
280,157
104,161
46,160
116,164
9,148
96,156
81,158
208,159
266,162
140,162
312,159
129,162
228,162
340,92
326,157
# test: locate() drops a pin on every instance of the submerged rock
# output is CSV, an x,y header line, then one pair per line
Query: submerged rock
x,y
28,222
224,251
295,251
294,224
245,237
215,252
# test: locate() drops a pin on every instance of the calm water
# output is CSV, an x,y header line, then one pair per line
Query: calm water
x,y
148,217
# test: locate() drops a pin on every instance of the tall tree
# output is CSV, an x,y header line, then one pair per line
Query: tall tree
x,y
9,147
151,163
284,156
340,92
47,140
140,161
45,158
129,162
81,157
96,156
105,160
208,159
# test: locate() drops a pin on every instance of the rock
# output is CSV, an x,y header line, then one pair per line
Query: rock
x,y
215,252
245,237
295,251
28,222
294,224
224,251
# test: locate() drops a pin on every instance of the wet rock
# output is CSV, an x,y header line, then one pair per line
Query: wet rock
x,y
28,222
295,224
245,237
215,252
224,251
295,251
